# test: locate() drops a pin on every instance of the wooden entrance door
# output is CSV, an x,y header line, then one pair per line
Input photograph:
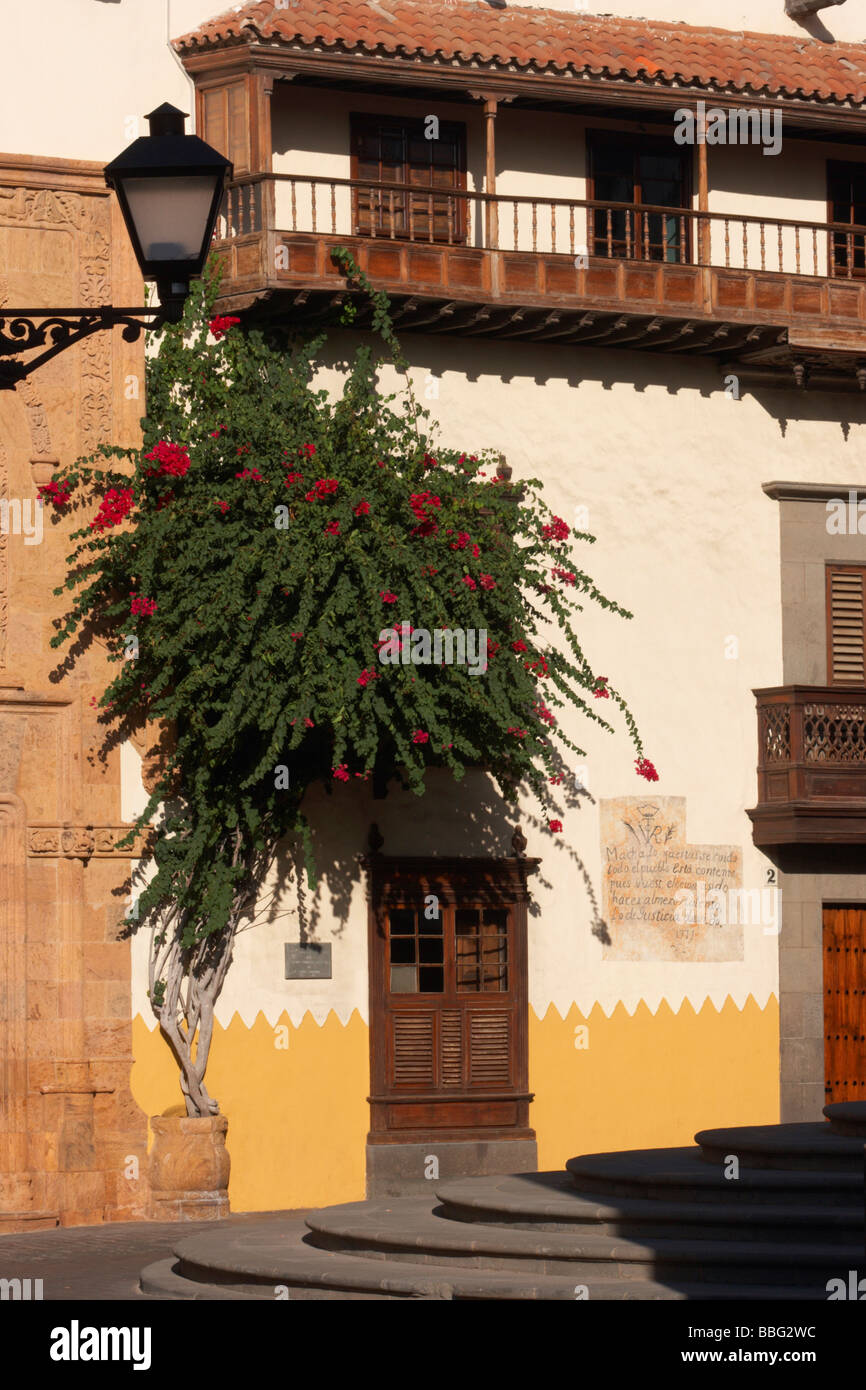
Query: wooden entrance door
x,y
845,1003
448,1000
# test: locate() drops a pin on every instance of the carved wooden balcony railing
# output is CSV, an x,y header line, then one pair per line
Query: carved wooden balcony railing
x,y
811,766
576,270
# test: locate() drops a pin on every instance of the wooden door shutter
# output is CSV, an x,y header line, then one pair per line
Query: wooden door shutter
x,y
226,123
846,624
395,150
844,1003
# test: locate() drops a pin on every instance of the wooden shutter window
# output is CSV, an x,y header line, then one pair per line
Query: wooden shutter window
x,y
846,624
395,150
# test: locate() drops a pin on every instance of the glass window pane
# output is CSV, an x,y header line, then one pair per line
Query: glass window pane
x,y
431,950
432,979
402,922
497,918
495,979
404,979
467,919
403,950
430,926
468,977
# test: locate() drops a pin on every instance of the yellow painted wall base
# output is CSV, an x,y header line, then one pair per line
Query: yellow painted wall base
x,y
298,1114
650,1080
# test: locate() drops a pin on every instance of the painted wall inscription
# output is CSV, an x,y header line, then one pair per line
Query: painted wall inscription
x,y
646,864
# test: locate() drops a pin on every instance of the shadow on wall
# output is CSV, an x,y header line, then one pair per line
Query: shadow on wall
x,y
463,820
472,360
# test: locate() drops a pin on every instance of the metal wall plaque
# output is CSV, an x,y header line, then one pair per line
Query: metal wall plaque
x,y
308,960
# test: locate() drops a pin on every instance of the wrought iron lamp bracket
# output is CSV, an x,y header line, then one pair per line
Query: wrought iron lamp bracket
x,y
21,330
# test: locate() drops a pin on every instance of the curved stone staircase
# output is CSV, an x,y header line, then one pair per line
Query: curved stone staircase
x,y
643,1224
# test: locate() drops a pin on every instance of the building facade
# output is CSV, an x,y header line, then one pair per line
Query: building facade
x,y
630,254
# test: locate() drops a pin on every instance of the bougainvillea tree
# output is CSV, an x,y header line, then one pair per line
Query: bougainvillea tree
x,y
255,568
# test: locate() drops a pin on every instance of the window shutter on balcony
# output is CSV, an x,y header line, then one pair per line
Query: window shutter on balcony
x,y
846,603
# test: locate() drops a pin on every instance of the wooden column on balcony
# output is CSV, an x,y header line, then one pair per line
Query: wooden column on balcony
x,y
704,232
492,101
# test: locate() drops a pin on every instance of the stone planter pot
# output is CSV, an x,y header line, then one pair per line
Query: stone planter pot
x,y
189,1168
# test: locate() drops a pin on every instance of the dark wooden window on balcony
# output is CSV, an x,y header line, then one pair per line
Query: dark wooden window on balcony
x,y
643,171
847,203
846,624
395,149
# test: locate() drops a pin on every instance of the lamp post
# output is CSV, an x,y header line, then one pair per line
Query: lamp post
x,y
169,186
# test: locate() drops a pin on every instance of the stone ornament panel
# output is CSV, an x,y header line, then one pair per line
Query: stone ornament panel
x,y
83,842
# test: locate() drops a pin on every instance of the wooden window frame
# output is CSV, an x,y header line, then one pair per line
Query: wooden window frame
x,y
399,1113
832,567
648,144
834,166
361,122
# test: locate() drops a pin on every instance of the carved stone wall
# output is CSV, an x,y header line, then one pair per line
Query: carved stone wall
x,y
69,1128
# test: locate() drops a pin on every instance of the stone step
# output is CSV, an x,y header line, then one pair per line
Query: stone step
x,y
680,1175
799,1148
550,1202
261,1257
408,1229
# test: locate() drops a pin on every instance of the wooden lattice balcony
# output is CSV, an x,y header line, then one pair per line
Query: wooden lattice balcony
x,y
811,766
772,293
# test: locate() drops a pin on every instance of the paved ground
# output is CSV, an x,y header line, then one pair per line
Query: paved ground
x,y
103,1262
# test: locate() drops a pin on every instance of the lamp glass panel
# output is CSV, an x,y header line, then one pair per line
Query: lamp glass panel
x,y
170,215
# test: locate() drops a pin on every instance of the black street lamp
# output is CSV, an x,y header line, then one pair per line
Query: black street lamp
x,y
169,186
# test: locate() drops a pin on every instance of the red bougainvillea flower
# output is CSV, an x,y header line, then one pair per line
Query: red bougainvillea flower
x,y
250,473
113,507
462,540
243,449
518,733
57,494
173,460
307,451
367,676
487,581
601,691
380,463
294,478
362,508
419,736
341,773
143,607
220,325
539,667
518,646
430,462
543,712
557,530
469,582
555,781
419,502
309,723
322,488
386,596
567,576
332,528
646,769
428,572
223,506
295,636
555,826
215,434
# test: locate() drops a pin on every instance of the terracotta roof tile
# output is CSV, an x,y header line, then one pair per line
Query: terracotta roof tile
x,y
470,30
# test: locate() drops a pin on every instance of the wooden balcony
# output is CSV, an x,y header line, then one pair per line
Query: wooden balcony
x,y
784,300
811,766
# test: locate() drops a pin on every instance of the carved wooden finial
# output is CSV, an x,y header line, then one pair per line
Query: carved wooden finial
x,y
375,841
518,841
